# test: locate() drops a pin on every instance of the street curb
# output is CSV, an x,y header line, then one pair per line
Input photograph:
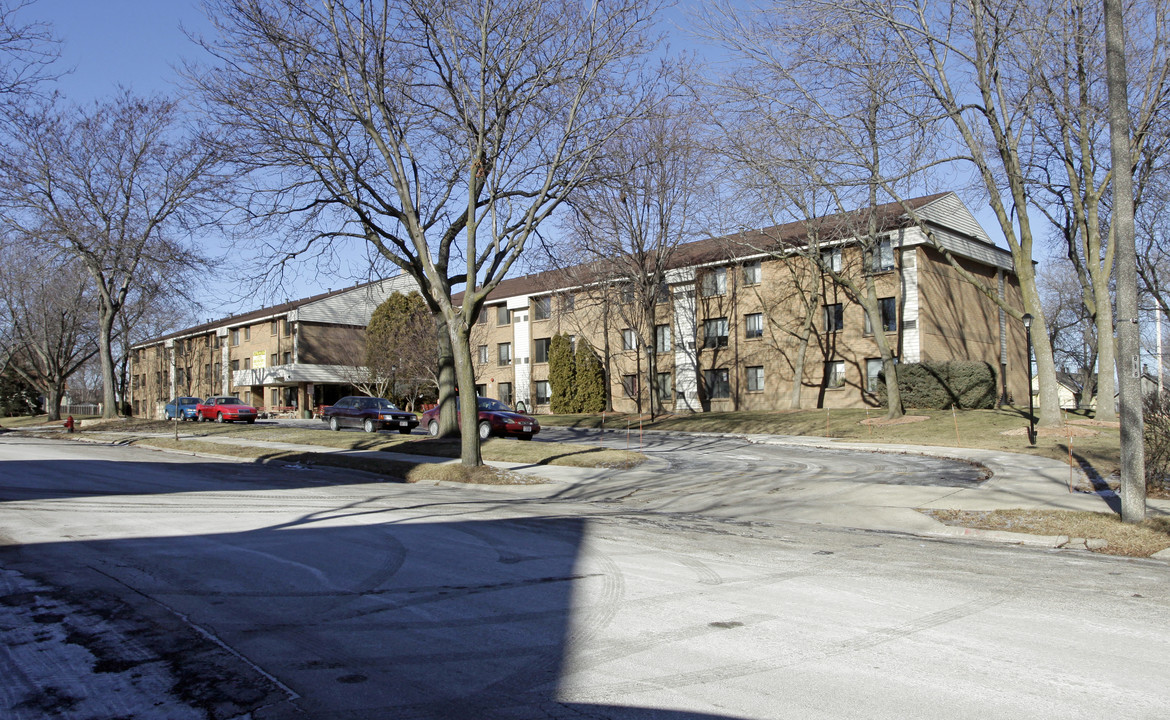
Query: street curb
x,y
1059,542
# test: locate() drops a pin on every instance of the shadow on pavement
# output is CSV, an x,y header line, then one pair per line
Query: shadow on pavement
x,y
465,619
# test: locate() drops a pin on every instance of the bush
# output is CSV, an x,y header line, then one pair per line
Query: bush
x,y
937,386
590,383
1157,441
562,375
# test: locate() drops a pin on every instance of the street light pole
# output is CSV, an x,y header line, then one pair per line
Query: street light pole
x,y
1031,408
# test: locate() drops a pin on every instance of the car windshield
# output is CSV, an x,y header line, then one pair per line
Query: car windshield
x,y
188,401
381,404
492,404
230,401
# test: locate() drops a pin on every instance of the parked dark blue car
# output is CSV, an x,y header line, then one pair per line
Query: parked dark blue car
x,y
182,408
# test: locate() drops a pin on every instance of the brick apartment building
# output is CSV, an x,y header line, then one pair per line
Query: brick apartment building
x,y
727,327
728,323
292,357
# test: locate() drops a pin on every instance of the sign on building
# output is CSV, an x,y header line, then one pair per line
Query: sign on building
x,y
259,359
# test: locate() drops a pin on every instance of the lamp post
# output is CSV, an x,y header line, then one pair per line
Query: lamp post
x,y
1031,409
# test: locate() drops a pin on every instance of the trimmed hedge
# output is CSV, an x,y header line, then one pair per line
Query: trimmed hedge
x,y
965,384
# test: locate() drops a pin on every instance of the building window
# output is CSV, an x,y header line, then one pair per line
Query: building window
x,y
483,354
889,310
207,372
542,308
506,393
662,338
542,392
568,302
272,326
752,272
235,337
503,315
504,354
835,373
630,385
247,333
831,259
215,342
287,358
235,365
247,363
247,397
715,333
540,350
629,339
883,255
665,387
287,327
275,397
834,317
715,282
873,369
718,384
662,292
755,378
753,325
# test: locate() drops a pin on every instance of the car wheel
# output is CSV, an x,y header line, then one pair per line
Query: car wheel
x,y
524,436
219,417
404,430
251,421
169,417
485,430
433,428
369,426
334,425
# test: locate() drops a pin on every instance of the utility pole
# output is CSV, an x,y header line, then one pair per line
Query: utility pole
x,y
1133,480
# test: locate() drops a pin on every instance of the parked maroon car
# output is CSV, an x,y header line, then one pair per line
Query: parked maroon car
x,y
369,413
224,408
495,418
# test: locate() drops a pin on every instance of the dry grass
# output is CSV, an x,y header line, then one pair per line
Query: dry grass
x,y
1122,539
494,449
394,469
1096,449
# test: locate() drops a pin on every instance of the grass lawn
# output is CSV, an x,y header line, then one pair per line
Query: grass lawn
x,y
496,449
1094,448
1133,540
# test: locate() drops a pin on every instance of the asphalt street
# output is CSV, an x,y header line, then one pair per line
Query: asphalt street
x,y
151,585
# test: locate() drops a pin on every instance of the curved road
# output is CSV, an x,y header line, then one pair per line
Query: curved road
x,y
143,584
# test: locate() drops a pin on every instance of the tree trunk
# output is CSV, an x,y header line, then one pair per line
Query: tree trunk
x,y
1133,481
448,417
1106,357
468,408
106,317
806,334
53,393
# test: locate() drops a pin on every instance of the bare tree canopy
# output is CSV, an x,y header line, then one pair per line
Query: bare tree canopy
x,y
438,133
47,300
27,52
120,186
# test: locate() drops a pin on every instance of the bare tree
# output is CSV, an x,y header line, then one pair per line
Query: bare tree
x,y
27,53
1071,328
120,187
1067,160
655,177
48,303
441,134
820,122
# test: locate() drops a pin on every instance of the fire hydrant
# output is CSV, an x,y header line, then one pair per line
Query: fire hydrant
x,y
69,424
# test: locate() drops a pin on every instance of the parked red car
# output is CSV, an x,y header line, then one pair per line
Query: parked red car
x,y
495,418
224,408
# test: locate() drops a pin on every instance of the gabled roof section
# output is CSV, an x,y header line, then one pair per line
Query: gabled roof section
x,y
347,306
749,243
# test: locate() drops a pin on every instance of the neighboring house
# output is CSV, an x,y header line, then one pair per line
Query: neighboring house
x,y
290,357
728,321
